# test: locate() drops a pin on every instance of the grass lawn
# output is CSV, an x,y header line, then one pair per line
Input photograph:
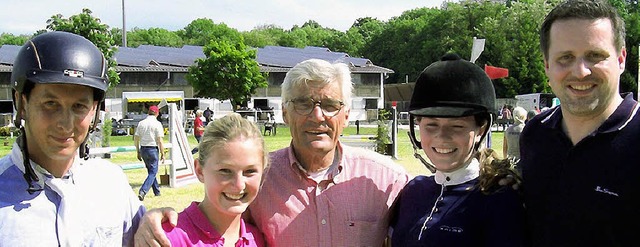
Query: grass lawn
x,y
179,198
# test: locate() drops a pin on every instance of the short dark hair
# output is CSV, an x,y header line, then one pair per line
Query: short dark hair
x,y
582,9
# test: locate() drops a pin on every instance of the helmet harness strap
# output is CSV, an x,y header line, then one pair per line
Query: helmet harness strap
x,y
430,166
416,146
426,163
29,174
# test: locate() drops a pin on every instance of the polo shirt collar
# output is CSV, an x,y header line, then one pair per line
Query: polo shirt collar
x,y
621,116
202,223
332,173
617,121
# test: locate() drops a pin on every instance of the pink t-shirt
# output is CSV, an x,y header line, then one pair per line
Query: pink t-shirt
x,y
350,207
194,229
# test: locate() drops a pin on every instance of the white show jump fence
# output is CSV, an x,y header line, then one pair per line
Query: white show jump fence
x,y
180,160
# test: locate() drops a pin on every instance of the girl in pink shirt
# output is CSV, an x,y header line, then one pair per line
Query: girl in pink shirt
x,y
231,163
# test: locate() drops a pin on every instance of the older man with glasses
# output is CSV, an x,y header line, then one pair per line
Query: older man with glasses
x,y
317,191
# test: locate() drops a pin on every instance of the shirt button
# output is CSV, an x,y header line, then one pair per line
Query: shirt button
x,y
324,222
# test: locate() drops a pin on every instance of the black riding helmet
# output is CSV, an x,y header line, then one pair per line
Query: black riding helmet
x,y
452,87
56,58
60,57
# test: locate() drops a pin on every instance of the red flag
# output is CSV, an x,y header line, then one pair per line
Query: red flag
x,y
495,72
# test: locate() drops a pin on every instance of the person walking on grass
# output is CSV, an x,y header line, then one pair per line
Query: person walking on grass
x,y
150,149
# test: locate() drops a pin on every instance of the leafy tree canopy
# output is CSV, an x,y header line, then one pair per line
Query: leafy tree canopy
x,y
228,71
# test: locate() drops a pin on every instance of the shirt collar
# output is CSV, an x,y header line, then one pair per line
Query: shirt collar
x,y
18,159
302,173
459,176
617,121
200,220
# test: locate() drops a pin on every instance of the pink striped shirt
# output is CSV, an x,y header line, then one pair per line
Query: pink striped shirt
x,y
350,208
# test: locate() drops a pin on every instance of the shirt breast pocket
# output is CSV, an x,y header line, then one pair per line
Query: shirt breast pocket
x,y
105,236
365,233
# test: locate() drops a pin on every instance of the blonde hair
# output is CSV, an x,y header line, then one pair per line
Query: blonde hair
x,y
226,129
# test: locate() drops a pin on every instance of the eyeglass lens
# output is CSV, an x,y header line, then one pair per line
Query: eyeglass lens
x,y
304,106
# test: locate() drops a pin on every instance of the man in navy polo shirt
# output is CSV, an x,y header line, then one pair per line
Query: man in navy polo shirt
x,y
581,160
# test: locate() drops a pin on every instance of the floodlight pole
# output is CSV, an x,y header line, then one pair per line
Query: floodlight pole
x,y
124,27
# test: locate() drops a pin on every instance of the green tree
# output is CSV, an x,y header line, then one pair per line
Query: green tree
x,y
84,24
117,36
404,46
512,42
10,39
630,11
262,36
297,37
153,36
361,33
228,71
202,31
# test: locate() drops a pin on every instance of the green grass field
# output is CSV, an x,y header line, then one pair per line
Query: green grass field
x,y
179,198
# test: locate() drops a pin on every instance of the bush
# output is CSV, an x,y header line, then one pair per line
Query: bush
x,y
7,130
382,136
106,130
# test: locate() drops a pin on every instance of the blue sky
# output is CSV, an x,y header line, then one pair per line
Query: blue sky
x,y
28,16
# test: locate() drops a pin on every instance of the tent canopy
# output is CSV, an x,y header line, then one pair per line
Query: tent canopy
x,y
398,92
144,100
152,96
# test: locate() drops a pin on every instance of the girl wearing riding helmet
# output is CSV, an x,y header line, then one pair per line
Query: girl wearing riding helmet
x,y
462,203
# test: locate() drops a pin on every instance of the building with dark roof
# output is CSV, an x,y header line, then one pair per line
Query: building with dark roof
x,y
154,69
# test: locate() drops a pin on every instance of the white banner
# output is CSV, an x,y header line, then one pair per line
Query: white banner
x,y
476,49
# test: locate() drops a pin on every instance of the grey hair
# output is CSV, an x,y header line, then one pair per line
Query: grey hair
x,y
317,72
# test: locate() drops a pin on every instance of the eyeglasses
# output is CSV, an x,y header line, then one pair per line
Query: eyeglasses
x,y
304,106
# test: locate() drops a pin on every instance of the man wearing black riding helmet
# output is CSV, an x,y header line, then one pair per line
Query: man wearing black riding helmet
x,y
461,204
51,196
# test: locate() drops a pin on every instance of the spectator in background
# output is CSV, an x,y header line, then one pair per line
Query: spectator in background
x,y
148,142
530,115
208,114
198,128
511,141
506,115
